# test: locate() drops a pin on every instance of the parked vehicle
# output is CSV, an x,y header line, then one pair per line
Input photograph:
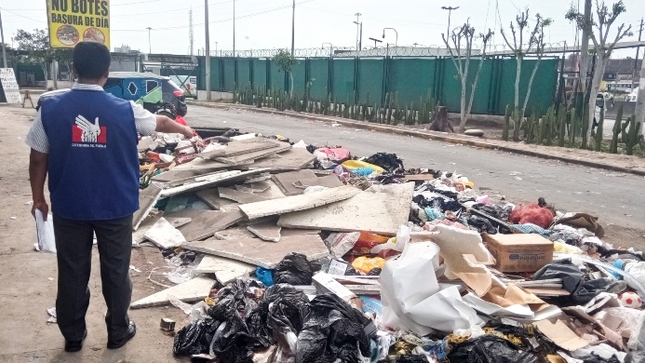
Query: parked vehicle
x,y
155,93
633,96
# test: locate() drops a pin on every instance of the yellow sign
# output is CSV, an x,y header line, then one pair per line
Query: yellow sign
x,y
72,21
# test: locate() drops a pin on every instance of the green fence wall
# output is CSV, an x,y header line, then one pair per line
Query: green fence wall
x,y
369,80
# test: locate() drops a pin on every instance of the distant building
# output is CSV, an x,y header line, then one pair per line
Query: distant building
x,y
124,48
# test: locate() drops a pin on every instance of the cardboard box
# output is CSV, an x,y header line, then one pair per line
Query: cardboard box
x,y
519,252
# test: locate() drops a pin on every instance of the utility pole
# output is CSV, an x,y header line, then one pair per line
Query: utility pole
x,y
584,59
358,24
149,42
233,28
207,53
640,33
192,35
293,28
640,101
4,47
450,9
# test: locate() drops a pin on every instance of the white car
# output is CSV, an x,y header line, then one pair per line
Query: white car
x,y
633,96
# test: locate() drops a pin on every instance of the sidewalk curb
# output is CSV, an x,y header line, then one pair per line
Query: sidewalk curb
x,y
427,135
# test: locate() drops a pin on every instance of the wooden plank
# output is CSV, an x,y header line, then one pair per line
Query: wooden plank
x,y
245,158
380,209
235,148
208,181
259,253
285,181
212,199
233,233
225,270
419,177
298,202
294,159
147,200
190,291
267,231
328,181
205,223
240,197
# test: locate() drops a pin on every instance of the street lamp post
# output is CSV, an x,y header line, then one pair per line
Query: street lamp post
x,y
207,53
293,27
450,9
359,44
149,42
357,22
233,30
396,40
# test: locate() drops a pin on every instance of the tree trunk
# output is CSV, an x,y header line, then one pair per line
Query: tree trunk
x,y
518,73
464,111
519,114
472,92
440,120
290,84
529,87
599,69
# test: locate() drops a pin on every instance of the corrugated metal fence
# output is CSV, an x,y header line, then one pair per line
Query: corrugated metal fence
x,y
369,80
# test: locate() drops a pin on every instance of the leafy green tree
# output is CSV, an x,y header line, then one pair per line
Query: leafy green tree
x,y
36,44
285,62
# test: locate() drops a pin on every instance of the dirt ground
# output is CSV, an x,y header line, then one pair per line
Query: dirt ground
x,y
28,278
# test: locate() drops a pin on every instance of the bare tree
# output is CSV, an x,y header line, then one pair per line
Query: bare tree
x,y
521,46
461,52
598,31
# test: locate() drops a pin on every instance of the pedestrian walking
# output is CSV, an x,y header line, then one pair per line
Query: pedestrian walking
x,y
85,141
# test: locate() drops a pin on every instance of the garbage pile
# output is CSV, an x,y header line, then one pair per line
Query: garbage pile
x,y
290,252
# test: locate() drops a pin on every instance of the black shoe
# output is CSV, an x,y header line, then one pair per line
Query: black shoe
x,y
129,334
75,345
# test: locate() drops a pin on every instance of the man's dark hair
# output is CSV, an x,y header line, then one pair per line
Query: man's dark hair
x,y
91,60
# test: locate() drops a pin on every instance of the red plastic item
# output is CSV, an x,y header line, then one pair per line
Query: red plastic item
x,y
532,213
180,120
366,242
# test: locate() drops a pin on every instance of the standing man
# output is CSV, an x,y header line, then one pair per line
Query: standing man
x,y
86,141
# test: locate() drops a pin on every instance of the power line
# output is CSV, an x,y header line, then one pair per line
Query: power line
x,y
225,20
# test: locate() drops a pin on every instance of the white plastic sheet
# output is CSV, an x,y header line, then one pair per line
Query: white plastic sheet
x,y
45,233
414,300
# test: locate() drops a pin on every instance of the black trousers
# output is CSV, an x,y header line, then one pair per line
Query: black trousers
x,y
74,254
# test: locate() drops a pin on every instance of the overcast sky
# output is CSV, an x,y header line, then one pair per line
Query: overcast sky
x,y
265,24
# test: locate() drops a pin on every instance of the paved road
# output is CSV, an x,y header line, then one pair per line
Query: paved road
x,y
615,197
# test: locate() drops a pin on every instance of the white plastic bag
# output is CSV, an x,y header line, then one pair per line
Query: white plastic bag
x,y
45,233
414,300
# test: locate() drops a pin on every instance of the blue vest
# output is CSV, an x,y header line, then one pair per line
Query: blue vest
x,y
93,162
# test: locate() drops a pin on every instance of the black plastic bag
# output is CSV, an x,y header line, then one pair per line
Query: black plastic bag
x,y
332,330
490,349
283,310
195,338
389,162
239,332
481,224
294,269
412,358
561,269
582,288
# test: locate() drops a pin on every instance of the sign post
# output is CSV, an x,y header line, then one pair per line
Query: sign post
x,y
9,86
72,21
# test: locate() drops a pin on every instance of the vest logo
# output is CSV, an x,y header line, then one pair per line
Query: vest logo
x,y
88,133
